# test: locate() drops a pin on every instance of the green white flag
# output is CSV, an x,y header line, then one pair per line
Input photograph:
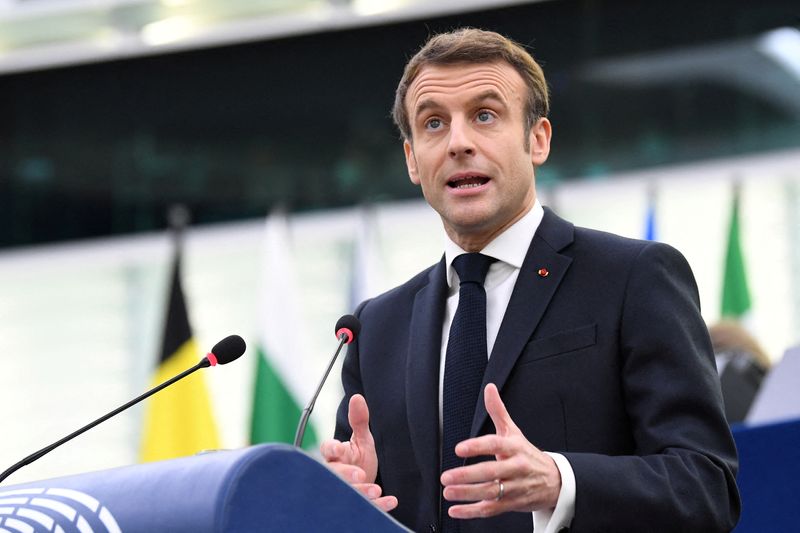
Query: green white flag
x,y
366,266
735,293
281,385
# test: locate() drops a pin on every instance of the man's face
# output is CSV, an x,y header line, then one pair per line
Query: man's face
x,y
468,150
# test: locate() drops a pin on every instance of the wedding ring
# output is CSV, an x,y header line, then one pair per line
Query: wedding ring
x,y
501,490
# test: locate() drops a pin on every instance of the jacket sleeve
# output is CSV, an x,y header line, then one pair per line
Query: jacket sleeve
x,y
681,476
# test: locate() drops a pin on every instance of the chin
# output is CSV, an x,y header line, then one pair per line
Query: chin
x,y
471,225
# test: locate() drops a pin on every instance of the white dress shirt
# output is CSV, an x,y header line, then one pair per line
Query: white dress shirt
x,y
509,248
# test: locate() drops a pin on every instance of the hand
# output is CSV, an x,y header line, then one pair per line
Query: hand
x,y
530,477
356,460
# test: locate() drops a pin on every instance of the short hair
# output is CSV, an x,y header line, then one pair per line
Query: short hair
x,y
474,46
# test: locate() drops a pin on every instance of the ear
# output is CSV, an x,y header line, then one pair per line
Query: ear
x,y
411,162
540,135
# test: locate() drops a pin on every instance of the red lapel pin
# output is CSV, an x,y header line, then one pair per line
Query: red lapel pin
x,y
543,272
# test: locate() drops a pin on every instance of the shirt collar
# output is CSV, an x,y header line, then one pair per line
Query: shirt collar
x,y
510,247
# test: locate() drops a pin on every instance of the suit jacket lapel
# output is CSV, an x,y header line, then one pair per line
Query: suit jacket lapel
x,y
529,300
422,373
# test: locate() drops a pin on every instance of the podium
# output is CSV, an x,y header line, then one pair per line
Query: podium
x,y
769,476
269,487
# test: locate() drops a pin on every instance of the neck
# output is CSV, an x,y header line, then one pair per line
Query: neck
x,y
476,240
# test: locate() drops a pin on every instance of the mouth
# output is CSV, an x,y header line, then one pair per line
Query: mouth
x,y
467,181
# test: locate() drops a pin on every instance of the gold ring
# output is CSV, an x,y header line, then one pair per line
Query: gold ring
x,y
501,490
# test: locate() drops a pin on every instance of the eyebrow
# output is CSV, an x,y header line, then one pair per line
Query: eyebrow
x,y
425,105
489,94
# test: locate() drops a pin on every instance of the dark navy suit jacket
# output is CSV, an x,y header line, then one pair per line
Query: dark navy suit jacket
x,y
606,360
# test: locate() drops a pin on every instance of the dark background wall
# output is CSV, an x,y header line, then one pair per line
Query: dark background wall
x,y
303,122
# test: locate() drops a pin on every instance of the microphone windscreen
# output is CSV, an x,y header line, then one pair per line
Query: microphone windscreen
x,y
229,349
348,322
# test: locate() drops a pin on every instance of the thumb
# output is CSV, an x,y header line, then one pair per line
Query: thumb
x,y
358,416
503,423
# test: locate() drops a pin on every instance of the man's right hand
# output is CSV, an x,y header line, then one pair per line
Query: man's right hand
x,y
356,460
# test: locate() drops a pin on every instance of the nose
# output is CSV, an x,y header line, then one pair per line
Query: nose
x,y
460,142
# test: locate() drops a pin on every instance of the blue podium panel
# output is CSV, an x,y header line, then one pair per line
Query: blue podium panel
x,y
262,488
769,477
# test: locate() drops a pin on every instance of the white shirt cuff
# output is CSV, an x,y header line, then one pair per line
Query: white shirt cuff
x,y
551,520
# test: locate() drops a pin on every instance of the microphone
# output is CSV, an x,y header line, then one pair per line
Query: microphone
x,y
228,349
347,329
225,351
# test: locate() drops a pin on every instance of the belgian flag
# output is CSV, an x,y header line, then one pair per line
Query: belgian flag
x,y
178,420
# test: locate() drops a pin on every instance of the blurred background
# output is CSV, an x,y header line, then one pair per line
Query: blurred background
x,y
269,121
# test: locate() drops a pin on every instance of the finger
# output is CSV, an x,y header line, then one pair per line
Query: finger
x,y
473,492
332,450
385,503
350,473
498,412
370,490
482,509
335,451
487,445
373,492
358,416
481,472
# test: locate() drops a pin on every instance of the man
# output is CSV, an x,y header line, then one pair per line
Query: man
x,y
599,407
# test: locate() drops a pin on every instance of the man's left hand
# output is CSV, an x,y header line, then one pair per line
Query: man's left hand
x,y
530,478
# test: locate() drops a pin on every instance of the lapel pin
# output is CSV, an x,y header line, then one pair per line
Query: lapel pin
x,y
543,272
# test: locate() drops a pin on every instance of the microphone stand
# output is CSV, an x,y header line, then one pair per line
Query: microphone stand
x,y
301,426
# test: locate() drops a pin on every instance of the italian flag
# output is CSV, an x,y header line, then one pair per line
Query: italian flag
x,y
366,265
735,293
282,387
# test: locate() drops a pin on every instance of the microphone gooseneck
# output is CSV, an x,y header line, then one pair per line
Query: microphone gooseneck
x,y
347,328
225,351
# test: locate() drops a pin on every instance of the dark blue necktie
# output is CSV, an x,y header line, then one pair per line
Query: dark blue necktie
x,y
465,363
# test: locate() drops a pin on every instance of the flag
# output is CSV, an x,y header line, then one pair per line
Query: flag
x,y
735,294
178,420
650,216
283,371
365,265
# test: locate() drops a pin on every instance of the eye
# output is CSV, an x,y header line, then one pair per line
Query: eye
x,y
485,117
433,124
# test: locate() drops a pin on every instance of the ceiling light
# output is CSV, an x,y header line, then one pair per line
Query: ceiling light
x,y
168,30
